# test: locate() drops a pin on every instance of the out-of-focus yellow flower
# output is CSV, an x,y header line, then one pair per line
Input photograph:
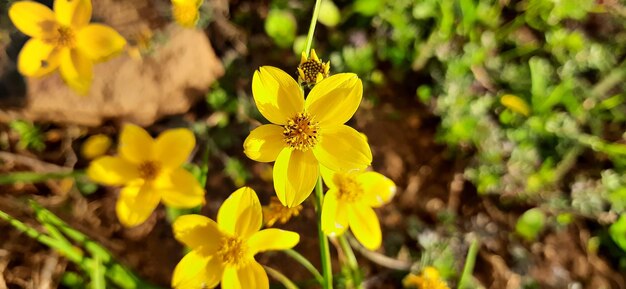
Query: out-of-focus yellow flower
x,y
428,279
224,251
63,39
150,171
185,12
95,146
305,133
312,70
515,104
277,212
349,202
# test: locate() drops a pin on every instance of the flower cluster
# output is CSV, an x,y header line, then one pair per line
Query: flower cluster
x,y
63,38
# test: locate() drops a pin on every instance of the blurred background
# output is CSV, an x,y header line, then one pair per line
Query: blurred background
x,y
500,121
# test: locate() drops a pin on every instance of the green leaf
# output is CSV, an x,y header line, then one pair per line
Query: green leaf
x,y
281,26
368,7
617,231
329,14
530,224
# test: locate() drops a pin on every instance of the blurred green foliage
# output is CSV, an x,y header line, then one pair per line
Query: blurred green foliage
x,y
30,135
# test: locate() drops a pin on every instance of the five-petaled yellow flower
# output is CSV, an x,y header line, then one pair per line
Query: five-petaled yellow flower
x,y
63,39
150,171
349,202
305,133
185,12
224,251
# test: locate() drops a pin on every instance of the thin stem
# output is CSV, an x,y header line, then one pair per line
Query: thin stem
x,y
324,248
33,177
309,37
351,260
468,269
280,278
305,262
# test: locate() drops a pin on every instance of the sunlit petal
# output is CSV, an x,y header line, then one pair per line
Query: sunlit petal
x,y
276,94
241,214
195,271
365,226
76,69
112,171
180,189
342,148
272,239
73,13
37,58
327,176
33,19
334,100
135,144
198,232
173,147
136,203
250,276
334,215
99,42
264,143
378,189
295,175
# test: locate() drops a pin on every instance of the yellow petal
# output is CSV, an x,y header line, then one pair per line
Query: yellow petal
x,y
334,100
77,70
196,3
33,19
327,176
365,226
73,13
135,144
195,271
342,148
37,58
515,104
180,189
272,239
264,143
334,215
186,15
251,276
112,171
276,94
378,189
197,232
95,146
173,147
99,42
295,175
136,203
241,214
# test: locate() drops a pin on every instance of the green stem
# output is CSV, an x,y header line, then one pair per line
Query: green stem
x,y
351,260
324,248
468,268
309,37
305,262
280,277
33,177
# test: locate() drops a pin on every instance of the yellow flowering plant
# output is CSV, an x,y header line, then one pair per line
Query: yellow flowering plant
x,y
186,12
63,38
223,251
149,171
349,202
305,133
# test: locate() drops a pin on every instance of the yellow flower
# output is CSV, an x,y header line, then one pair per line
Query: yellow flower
x,y
95,146
312,70
224,251
349,202
63,39
276,212
305,133
428,279
150,171
185,12
515,104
